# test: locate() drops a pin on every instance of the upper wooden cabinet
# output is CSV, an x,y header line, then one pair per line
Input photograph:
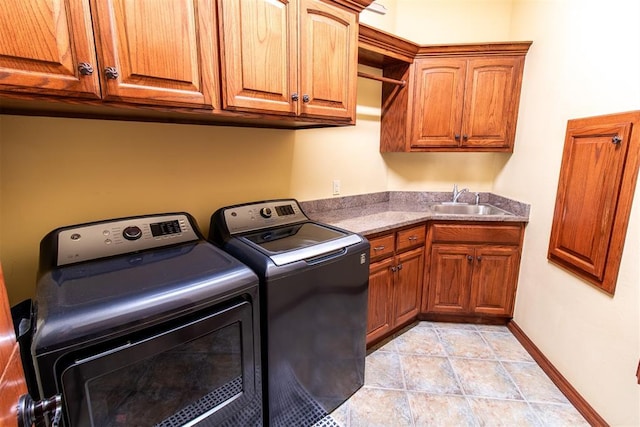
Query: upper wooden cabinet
x,y
595,192
267,63
461,97
289,57
159,52
465,103
43,44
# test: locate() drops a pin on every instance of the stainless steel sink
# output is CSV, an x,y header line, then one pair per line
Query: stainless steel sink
x,y
467,209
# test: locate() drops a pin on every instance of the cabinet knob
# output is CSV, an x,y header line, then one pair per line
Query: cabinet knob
x,y
399,267
305,99
469,258
378,248
465,137
479,258
457,137
394,268
111,73
85,68
295,96
616,139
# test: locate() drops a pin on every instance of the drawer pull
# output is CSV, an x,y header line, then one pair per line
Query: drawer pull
x,y
379,248
413,238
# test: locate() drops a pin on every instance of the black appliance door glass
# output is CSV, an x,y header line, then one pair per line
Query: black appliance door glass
x,y
188,373
293,237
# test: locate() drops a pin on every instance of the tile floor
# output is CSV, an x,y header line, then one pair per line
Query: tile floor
x,y
447,374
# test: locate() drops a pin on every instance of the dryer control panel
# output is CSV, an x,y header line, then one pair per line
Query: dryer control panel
x,y
261,215
121,236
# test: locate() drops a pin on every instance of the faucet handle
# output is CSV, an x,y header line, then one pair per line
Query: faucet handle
x,y
477,198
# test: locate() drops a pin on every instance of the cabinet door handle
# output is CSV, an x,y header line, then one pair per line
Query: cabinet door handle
x,y
469,258
305,99
379,248
616,139
399,267
465,137
456,137
111,73
394,268
295,96
479,258
85,69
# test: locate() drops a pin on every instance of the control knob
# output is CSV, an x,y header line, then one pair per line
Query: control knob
x,y
265,212
132,233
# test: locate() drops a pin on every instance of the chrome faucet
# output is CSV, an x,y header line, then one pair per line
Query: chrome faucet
x,y
456,193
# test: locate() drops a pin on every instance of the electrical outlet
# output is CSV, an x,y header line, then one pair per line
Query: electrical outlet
x,y
336,187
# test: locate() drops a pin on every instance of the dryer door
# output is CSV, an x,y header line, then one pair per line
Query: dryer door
x,y
197,368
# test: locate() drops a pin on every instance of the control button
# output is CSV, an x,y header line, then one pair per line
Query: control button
x,y
106,232
108,241
265,212
132,233
75,236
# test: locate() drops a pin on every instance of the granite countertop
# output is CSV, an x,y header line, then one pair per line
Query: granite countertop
x,y
378,212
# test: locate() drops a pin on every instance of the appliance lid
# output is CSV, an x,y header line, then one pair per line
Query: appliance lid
x,y
85,301
298,242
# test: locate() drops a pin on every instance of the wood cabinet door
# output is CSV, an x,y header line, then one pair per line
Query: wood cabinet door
x,y
42,44
450,279
12,381
593,201
158,51
495,274
258,55
328,60
492,94
438,101
407,285
380,311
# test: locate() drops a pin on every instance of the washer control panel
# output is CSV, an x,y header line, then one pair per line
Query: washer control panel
x,y
259,215
121,236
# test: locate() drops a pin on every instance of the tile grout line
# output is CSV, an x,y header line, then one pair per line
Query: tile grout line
x,y
404,384
476,419
524,398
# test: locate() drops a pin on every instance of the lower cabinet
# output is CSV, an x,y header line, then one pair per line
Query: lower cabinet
x,y
456,271
473,269
395,281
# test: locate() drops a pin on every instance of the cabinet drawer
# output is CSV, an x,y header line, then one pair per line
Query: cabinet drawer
x,y
481,233
410,238
381,247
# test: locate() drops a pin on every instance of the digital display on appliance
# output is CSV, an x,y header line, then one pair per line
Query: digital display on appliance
x,y
165,228
284,210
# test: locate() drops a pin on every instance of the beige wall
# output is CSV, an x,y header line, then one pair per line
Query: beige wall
x,y
585,60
